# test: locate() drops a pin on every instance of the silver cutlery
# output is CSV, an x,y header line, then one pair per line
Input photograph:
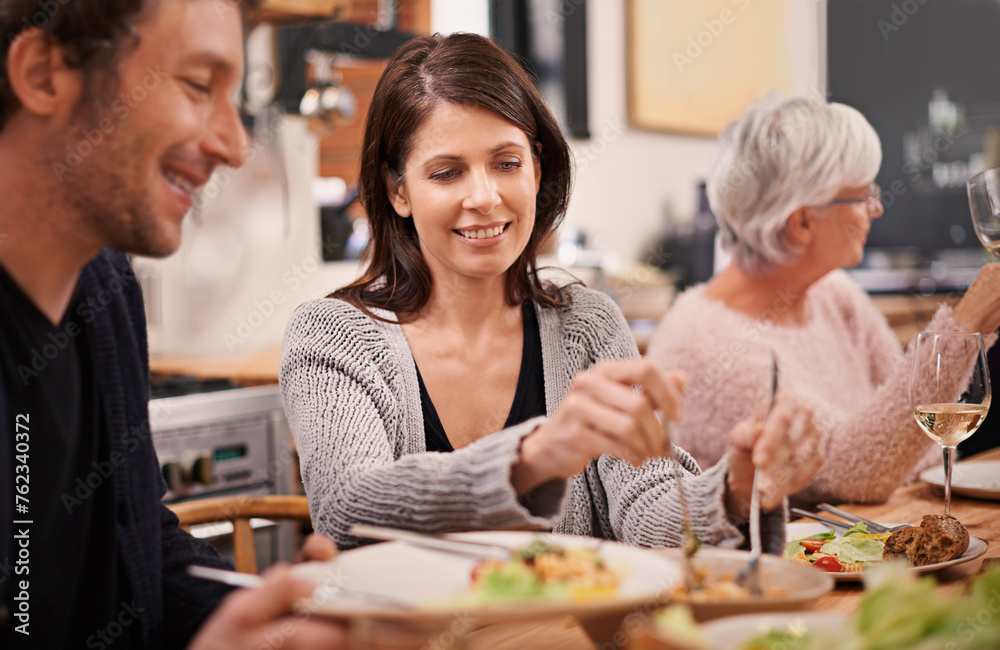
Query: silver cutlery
x,y
250,580
691,541
873,527
826,520
749,575
462,547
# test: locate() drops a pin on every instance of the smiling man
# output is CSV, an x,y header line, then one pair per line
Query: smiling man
x,y
112,114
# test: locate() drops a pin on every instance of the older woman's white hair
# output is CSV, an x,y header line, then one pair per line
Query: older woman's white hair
x,y
778,157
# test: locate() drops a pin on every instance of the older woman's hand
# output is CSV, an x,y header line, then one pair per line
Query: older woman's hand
x,y
602,414
979,308
785,447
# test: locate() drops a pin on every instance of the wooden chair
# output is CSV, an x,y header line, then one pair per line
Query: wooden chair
x,y
239,510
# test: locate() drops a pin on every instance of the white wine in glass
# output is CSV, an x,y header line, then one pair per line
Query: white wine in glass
x,y
984,202
949,392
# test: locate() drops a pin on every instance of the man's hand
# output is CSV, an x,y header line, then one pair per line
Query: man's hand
x,y
317,548
262,617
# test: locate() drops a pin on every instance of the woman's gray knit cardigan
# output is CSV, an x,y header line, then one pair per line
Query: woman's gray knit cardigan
x,y
351,396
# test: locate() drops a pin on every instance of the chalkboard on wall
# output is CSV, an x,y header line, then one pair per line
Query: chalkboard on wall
x,y
926,74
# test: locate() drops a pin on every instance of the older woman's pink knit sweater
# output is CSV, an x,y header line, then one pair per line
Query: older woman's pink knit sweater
x,y
845,362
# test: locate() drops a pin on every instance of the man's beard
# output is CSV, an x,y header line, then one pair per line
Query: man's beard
x,y
111,193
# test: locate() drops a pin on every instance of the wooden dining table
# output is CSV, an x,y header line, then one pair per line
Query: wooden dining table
x,y
908,504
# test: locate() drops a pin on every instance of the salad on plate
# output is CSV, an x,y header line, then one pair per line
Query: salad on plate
x,y
544,571
847,553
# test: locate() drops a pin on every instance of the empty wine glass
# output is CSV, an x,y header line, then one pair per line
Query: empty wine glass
x,y
949,392
984,201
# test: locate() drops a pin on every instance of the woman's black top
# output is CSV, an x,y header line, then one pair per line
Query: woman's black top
x,y
529,398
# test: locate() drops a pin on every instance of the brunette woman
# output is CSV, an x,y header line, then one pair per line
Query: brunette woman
x,y
450,388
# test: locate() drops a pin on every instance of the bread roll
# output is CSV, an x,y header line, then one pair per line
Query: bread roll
x,y
939,538
952,527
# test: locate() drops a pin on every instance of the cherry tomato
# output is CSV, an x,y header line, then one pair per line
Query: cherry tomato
x,y
829,564
813,545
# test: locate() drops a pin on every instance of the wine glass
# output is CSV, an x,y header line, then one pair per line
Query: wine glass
x,y
984,201
949,392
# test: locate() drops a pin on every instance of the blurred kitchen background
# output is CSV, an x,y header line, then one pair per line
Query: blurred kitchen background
x,y
641,87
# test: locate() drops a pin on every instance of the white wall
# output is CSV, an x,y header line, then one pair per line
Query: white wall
x,y
631,183
449,16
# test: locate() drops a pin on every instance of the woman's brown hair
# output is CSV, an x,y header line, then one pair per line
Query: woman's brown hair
x,y
463,69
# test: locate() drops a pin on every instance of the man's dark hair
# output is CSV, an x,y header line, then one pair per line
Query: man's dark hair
x,y
94,34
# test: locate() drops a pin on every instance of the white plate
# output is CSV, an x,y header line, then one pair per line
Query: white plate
x,y
731,633
426,582
979,479
977,548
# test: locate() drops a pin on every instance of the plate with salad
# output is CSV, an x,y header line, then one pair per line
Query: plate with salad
x,y
546,575
847,554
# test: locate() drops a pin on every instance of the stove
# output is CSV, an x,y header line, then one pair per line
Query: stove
x,y
226,442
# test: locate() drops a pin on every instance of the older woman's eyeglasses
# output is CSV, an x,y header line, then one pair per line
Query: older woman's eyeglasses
x,y
873,200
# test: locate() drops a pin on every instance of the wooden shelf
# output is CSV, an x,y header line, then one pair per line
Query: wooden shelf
x,y
284,11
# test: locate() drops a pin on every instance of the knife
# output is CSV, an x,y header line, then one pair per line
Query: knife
x,y
826,520
873,527
463,547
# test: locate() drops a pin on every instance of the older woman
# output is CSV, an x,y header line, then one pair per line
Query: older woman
x,y
792,187
449,388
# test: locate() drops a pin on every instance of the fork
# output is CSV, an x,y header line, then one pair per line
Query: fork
x,y
872,526
749,575
691,541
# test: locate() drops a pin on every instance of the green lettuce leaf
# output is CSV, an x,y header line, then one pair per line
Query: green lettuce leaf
x,y
850,549
903,612
857,529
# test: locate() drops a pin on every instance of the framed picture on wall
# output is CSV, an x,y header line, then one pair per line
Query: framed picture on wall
x,y
693,67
